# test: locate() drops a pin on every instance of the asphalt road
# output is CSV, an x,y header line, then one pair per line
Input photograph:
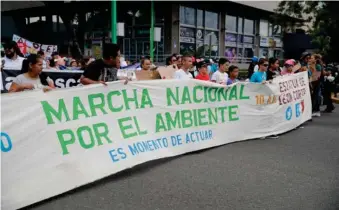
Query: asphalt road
x,y
300,170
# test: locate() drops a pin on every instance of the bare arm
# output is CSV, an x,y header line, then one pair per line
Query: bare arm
x,y
17,88
87,81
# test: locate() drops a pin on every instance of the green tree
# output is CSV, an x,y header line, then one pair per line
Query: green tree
x,y
323,17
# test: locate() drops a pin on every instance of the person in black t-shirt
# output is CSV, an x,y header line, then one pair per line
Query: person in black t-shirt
x,y
103,70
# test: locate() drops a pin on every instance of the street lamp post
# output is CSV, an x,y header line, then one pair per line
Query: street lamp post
x,y
134,16
114,21
151,44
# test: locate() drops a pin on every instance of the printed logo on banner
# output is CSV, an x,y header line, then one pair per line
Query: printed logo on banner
x,y
299,110
289,113
6,142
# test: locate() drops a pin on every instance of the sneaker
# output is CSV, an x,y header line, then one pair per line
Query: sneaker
x,y
273,137
316,114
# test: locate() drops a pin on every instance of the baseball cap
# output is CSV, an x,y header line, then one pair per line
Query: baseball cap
x,y
290,62
305,54
203,63
255,59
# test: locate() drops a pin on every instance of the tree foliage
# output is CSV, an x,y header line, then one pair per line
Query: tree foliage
x,y
321,19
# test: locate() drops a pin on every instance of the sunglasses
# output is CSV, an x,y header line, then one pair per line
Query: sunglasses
x,y
174,60
266,65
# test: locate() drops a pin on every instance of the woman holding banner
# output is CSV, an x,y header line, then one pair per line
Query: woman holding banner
x,y
31,77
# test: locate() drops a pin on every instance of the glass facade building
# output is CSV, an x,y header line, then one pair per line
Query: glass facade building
x,y
204,32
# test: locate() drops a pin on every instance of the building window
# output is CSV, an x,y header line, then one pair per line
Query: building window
x,y
187,16
231,23
200,18
33,19
240,28
55,19
276,30
200,49
239,39
60,20
211,43
230,54
270,26
248,26
199,32
88,16
211,20
43,18
263,28
187,40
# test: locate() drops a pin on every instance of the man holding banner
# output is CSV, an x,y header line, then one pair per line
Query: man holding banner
x,y
103,70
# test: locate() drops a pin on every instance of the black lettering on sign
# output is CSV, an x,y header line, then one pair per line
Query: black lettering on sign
x,y
36,46
49,48
61,83
8,82
20,40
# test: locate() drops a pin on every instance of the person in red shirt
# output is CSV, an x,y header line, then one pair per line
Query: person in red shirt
x,y
203,72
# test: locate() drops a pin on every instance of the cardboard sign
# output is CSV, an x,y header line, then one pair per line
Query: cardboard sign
x,y
167,72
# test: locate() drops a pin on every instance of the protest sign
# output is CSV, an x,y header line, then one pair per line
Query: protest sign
x,y
27,47
61,79
64,139
166,72
143,75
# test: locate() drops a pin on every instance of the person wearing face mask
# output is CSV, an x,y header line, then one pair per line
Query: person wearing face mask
x,y
13,57
31,77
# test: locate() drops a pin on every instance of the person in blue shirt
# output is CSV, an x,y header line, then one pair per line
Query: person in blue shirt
x,y
260,76
233,72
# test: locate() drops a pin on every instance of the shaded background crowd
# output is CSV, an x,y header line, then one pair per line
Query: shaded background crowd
x,y
323,77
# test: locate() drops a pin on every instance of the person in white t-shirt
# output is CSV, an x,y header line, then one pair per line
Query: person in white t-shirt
x,y
32,79
221,76
12,59
183,73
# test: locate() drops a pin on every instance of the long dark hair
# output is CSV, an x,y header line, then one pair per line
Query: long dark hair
x,y
33,59
272,61
250,69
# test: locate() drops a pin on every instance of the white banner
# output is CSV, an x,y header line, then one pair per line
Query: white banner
x,y
57,141
28,47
